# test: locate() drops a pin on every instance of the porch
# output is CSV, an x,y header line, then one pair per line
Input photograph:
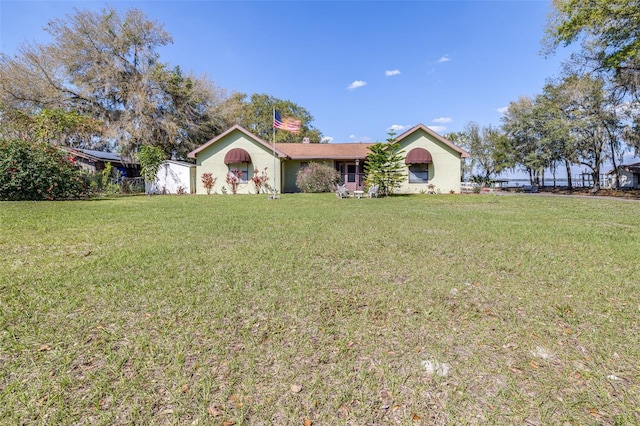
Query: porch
x,y
351,174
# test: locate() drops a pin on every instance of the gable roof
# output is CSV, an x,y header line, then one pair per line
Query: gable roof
x,y
238,128
324,151
463,153
308,151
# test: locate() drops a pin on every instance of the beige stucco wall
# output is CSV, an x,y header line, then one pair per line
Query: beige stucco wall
x,y
444,172
290,171
211,160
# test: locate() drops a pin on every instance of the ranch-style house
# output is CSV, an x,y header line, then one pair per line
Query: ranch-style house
x,y
432,162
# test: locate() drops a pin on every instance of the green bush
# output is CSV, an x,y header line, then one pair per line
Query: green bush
x,y
317,177
38,171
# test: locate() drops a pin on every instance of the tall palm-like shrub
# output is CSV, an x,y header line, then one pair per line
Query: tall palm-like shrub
x,y
384,166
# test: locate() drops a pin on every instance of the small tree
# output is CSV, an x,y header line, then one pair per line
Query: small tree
x,y
317,177
150,158
384,166
208,181
490,151
107,179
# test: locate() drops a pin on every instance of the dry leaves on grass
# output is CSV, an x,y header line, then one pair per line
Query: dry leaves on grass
x,y
214,411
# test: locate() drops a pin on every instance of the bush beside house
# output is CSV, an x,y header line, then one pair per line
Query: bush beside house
x,y
317,177
38,171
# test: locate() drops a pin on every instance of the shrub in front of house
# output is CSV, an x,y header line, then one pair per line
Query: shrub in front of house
x,y
38,171
233,179
208,181
317,177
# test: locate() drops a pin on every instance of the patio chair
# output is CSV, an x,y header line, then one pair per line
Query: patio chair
x,y
373,191
341,191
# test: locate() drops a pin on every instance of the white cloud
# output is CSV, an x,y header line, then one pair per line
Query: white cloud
x,y
444,58
389,73
438,129
443,120
503,109
356,84
326,139
397,127
359,138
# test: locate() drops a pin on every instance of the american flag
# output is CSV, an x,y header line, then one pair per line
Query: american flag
x,y
289,124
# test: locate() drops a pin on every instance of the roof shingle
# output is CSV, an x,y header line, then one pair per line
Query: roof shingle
x,y
324,151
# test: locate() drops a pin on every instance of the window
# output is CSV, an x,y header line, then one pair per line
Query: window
x,y
418,173
241,170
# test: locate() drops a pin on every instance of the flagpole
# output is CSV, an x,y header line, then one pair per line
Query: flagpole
x,y
275,176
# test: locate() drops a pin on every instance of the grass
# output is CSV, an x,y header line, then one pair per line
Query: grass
x,y
238,310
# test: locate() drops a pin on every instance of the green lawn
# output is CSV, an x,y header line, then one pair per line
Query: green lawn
x,y
225,310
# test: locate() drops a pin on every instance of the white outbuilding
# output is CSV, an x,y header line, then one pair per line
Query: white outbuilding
x,y
629,176
175,177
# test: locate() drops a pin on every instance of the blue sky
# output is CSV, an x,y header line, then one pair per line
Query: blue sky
x,y
358,67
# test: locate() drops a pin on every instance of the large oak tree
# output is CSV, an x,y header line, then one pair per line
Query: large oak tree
x,y
105,65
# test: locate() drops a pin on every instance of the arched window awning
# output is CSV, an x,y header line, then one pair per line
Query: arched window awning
x,y
236,156
418,156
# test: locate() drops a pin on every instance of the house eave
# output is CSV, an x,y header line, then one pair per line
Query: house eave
x,y
194,153
462,152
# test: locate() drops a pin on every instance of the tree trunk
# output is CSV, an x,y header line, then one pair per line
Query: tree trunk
x,y
596,179
596,186
567,164
615,167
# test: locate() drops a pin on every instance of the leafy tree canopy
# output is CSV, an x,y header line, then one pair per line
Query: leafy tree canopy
x,y
105,66
257,117
611,27
49,125
101,84
488,150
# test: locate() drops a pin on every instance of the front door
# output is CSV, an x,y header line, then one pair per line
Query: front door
x,y
350,175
